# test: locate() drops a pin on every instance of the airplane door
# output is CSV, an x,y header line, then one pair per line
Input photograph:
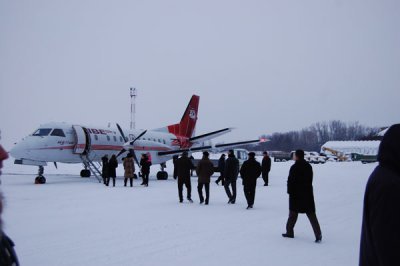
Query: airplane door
x,y
81,140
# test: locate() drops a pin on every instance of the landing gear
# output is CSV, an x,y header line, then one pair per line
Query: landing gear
x,y
162,175
40,179
85,173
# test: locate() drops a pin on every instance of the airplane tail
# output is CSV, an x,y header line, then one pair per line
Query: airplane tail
x,y
187,125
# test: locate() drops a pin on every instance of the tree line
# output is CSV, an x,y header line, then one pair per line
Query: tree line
x,y
313,137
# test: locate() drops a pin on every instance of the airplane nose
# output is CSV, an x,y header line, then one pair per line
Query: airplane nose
x,y
18,151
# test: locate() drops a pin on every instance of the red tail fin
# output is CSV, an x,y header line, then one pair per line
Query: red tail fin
x,y
188,122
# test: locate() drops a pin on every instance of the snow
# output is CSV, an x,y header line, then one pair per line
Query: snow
x,y
76,221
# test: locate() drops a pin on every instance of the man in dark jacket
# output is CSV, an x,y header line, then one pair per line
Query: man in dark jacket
x,y
231,173
221,169
250,171
266,167
185,165
145,164
112,169
174,161
104,170
205,169
301,196
8,257
380,234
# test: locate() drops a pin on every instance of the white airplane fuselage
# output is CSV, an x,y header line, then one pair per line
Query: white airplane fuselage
x,y
65,143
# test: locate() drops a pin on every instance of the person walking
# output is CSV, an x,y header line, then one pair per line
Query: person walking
x,y
192,170
266,167
145,164
221,169
112,169
205,169
380,233
174,161
185,165
104,169
301,196
231,173
250,171
129,167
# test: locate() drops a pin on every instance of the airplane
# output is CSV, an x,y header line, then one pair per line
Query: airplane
x,y
72,143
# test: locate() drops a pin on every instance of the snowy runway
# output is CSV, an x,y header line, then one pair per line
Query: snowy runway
x,y
75,221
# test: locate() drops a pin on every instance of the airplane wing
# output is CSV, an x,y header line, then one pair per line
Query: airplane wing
x,y
210,135
203,148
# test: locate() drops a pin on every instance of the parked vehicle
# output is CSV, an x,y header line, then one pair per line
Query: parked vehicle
x,y
281,156
364,158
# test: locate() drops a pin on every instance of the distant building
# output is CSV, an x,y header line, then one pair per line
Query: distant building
x,y
365,147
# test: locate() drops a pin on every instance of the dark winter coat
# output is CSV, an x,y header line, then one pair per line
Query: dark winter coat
x,y
184,166
7,251
145,166
300,189
112,166
250,171
266,165
104,170
380,234
221,165
205,169
231,168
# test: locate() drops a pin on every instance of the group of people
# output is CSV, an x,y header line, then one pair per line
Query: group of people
x,y
229,170
109,168
299,186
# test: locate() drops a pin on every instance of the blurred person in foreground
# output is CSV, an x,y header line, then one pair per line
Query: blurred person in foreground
x,y
8,257
380,233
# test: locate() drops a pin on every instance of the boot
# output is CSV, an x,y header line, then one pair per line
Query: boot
x,y
288,235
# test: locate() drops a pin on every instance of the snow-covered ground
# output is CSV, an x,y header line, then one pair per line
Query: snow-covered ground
x,y
77,221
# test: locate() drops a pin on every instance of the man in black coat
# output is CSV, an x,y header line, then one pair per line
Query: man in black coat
x,y
185,166
174,161
104,170
145,164
301,196
221,169
231,173
380,234
250,171
112,169
266,167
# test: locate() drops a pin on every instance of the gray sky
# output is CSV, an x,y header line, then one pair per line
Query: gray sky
x,y
260,66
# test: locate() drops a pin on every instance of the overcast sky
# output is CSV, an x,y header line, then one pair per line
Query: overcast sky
x,y
259,66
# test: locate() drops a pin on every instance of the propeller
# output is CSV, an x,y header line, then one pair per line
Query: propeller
x,y
129,143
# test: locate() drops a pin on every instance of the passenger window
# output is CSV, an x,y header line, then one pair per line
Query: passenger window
x,y
96,137
120,139
164,141
115,138
42,132
58,132
108,138
159,140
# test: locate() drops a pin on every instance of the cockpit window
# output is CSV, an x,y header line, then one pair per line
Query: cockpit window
x,y
42,132
58,132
